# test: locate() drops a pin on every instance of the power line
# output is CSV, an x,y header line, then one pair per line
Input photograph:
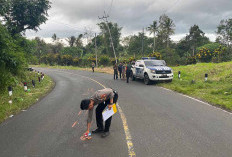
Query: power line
x,y
110,7
104,18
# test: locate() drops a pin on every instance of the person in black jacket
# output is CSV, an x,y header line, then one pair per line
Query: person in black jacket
x,y
128,72
120,70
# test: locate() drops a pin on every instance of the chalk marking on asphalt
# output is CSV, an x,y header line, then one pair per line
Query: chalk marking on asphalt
x,y
129,142
198,101
74,124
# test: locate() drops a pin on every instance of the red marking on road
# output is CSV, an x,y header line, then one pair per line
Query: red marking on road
x,y
79,113
74,124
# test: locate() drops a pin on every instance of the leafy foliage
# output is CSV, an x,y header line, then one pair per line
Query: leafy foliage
x,y
224,30
12,60
22,15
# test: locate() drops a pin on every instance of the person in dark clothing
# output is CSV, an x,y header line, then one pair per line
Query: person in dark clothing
x,y
93,65
101,99
120,70
128,72
115,71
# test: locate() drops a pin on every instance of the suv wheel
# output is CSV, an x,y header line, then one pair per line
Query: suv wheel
x,y
133,78
147,81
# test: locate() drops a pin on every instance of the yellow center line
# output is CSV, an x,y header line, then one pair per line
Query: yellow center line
x,y
130,145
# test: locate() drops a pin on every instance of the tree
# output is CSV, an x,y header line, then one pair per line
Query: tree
x,y
196,38
115,33
153,30
71,40
4,6
135,45
189,44
166,28
54,37
24,14
224,31
78,41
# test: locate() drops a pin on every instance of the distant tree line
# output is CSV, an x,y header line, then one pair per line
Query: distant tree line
x,y
194,47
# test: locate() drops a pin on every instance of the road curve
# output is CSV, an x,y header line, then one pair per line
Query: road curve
x,y
162,123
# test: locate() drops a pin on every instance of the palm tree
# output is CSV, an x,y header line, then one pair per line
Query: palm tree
x,y
167,26
153,29
71,40
79,41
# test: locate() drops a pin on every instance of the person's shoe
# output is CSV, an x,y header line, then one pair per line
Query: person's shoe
x,y
98,130
105,134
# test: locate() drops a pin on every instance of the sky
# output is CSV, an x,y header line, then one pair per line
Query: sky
x,y
74,17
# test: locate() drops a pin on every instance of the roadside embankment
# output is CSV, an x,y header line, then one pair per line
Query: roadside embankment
x,y
217,90
21,99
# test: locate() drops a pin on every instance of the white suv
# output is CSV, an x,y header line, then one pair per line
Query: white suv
x,y
151,69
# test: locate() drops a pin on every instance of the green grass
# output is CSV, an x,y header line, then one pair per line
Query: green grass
x,y
58,67
21,99
216,91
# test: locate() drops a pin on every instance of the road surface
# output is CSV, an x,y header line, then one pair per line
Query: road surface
x,y
153,122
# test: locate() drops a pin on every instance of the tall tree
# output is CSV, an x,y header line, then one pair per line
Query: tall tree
x,y
153,28
166,28
54,37
4,7
71,41
224,31
196,38
78,41
115,33
134,47
192,41
24,14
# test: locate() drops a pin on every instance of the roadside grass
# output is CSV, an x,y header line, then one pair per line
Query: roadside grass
x,y
21,99
216,91
108,70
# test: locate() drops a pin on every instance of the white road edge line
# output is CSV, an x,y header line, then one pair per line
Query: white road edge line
x,y
197,100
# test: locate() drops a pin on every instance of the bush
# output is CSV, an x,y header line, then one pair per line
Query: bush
x,y
104,60
75,61
204,55
155,54
66,60
191,60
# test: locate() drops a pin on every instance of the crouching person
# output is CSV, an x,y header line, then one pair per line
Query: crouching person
x,y
101,99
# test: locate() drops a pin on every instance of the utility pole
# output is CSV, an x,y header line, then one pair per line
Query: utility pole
x,y
143,43
104,18
96,49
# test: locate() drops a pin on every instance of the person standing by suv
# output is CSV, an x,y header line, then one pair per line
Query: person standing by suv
x,y
128,72
120,70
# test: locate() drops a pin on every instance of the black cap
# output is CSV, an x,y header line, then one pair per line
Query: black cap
x,y
85,104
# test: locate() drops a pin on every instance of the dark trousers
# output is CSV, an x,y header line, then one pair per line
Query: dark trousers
x,y
115,74
120,74
128,73
99,110
93,69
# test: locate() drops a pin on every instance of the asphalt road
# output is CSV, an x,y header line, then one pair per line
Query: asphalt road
x,y
161,123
